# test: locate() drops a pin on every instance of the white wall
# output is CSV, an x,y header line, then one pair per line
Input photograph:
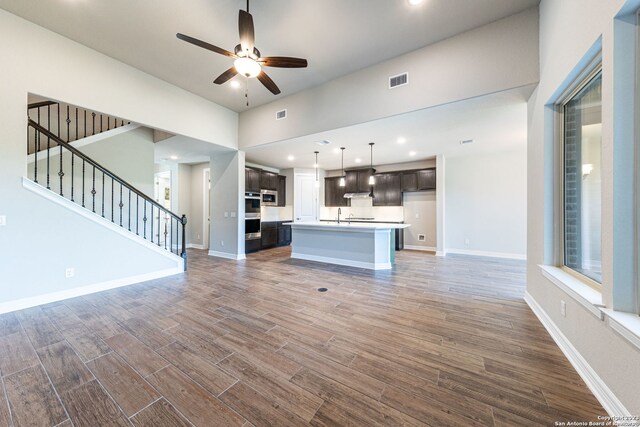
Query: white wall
x,y
420,212
195,228
71,75
486,204
569,29
499,56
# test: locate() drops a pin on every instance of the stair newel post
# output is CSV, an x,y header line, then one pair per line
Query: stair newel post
x,y
184,241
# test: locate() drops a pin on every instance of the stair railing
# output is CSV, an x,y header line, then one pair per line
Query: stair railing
x,y
101,191
70,123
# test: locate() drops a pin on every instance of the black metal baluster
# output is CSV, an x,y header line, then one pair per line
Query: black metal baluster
x,y
83,182
171,234
129,210
103,180
48,145
76,125
60,173
151,223
159,224
112,199
68,123
108,123
93,191
58,120
121,205
100,123
72,174
144,220
165,231
85,123
93,123
184,245
137,215
37,146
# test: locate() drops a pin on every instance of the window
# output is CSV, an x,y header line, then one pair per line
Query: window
x,y
581,169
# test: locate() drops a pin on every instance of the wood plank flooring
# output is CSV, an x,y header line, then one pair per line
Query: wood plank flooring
x,y
436,341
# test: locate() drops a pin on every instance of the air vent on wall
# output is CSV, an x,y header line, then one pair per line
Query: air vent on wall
x,y
399,80
282,114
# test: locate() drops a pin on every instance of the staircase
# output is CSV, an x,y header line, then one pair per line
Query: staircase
x,y
65,170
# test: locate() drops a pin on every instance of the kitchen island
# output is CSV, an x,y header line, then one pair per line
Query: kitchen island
x,y
363,245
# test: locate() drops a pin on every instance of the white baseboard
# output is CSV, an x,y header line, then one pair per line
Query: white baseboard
x,y
85,290
196,246
487,254
600,390
420,248
226,255
339,261
441,253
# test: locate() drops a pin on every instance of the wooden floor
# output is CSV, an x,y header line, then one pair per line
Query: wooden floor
x,y
437,341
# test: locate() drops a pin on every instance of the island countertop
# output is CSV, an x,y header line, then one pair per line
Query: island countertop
x,y
344,225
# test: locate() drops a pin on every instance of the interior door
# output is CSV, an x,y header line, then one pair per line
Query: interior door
x,y
306,198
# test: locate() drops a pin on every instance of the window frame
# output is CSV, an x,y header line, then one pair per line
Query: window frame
x,y
588,74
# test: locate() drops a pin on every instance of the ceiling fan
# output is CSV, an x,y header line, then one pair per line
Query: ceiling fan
x,y
248,61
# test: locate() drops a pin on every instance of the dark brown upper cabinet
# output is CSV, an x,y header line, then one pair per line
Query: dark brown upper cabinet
x,y
357,181
410,181
282,191
427,179
387,189
251,180
268,181
334,194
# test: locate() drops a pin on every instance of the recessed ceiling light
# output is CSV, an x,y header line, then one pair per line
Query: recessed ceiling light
x,y
174,157
415,2
401,140
358,160
412,153
235,84
291,158
466,141
323,142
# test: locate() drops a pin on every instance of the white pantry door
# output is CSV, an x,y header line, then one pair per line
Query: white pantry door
x,y
306,198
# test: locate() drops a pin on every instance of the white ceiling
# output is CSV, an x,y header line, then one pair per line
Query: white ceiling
x,y
336,36
495,122
182,149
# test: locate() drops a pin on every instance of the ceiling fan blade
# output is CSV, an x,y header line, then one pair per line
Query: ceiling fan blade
x,y
226,76
205,45
247,34
268,83
283,62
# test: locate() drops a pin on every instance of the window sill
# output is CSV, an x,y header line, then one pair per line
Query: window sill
x,y
626,324
586,296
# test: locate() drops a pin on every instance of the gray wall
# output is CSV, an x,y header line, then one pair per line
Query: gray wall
x,y
196,232
420,212
495,57
33,224
569,29
227,197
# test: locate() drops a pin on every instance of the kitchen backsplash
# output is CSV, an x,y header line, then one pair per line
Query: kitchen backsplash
x,y
363,208
272,213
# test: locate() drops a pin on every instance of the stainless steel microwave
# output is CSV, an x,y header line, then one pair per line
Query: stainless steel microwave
x,y
269,198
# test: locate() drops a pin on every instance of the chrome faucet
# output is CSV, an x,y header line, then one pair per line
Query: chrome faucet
x,y
339,212
350,215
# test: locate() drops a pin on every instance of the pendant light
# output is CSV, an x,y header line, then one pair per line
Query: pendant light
x,y
371,179
316,166
342,181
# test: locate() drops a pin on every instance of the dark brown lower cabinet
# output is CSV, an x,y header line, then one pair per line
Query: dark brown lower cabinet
x,y
269,231
252,245
284,234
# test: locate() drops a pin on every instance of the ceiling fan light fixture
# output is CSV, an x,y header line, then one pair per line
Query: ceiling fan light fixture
x,y
247,67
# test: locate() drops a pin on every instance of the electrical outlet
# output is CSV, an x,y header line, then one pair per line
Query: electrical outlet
x,y
466,242
563,308
198,236
69,272
3,220
233,214
422,237
417,215
226,214
221,242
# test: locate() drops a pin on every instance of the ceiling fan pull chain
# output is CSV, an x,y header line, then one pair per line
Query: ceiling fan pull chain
x,y
246,87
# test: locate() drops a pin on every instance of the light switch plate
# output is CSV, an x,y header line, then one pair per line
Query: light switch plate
x,y
3,220
233,214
